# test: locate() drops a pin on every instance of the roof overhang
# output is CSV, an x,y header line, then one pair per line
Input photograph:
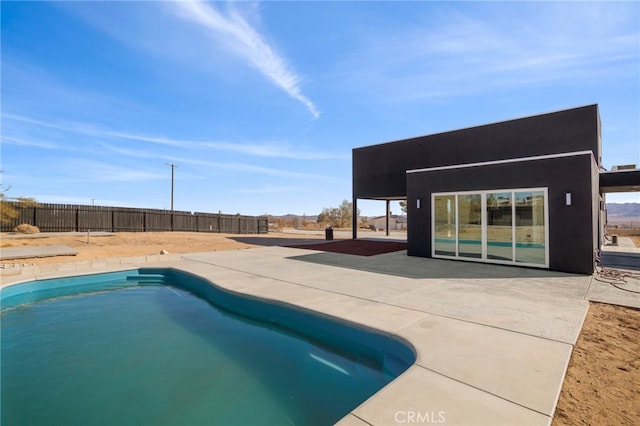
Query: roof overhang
x,y
394,198
620,181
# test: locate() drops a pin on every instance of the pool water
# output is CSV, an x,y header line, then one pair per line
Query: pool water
x,y
151,348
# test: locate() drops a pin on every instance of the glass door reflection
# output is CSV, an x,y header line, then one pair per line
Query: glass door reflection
x,y
530,227
499,226
470,225
445,225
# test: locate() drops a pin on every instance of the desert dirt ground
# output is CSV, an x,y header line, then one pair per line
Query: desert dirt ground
x,y
129,244
602,385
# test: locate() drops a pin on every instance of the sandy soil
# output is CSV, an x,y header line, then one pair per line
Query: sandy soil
x,y
602,385
141,244
603,379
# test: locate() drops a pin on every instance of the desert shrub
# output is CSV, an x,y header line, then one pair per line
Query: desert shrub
x,y
10,209
25,228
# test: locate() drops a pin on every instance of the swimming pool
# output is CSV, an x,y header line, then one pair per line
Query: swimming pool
x,y
160,346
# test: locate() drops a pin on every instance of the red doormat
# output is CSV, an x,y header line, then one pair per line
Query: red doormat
x,y
356,247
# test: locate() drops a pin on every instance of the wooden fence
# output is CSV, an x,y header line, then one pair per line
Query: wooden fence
x,y
66,218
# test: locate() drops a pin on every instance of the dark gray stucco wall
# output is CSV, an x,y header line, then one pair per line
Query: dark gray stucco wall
x,y
379,170
598,230
571,228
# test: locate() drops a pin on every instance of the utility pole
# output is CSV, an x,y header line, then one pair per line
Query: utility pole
x,y
173,166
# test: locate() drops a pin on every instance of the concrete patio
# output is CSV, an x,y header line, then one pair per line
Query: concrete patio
x,y
492,342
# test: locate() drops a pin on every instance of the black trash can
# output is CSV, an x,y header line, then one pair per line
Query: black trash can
x,y
328,233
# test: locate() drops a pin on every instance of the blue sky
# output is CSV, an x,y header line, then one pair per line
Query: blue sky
x,y
260,103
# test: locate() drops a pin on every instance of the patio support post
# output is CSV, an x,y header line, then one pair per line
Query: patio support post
x,y
354,219
388,215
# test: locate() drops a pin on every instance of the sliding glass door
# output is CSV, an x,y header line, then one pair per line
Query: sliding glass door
x,y
530,227
500,225
445,225
503,226
470,225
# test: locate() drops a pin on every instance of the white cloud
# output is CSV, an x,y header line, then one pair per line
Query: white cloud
x,y
228,166
270,189
94,171
264,150
246,42
32,143
496,46
272,150
71,127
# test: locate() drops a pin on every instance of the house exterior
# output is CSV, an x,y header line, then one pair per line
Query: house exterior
x,y
396,222
521,192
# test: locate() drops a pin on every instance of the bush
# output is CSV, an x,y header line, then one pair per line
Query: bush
x,y
10,210
25,228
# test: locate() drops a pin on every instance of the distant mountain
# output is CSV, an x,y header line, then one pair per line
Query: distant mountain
x,y
624,210
292,217
627,214
615,212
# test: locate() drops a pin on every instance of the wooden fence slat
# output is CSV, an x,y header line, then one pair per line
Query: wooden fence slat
x,y
94,219
157,221
208,222
69,218
128,220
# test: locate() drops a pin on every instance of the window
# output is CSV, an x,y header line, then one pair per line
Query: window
x,y
501,226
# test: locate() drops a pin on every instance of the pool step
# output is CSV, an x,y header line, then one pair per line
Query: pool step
x,y
147,279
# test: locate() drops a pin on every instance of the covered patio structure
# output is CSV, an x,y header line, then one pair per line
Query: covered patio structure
x,y
525,192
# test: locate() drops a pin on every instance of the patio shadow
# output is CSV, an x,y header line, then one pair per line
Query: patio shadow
x,y
399,264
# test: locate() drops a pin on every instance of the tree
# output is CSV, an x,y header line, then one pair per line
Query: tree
x,y
10,207
339,217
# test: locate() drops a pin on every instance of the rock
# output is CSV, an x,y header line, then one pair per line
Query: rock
x,y
25,228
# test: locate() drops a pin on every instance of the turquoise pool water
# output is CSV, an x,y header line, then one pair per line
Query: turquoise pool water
x,y
162,347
